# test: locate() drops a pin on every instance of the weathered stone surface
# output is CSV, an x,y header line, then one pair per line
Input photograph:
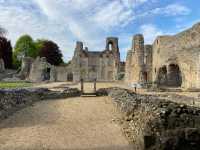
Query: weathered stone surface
x,y
2,66
25,68
171,60
157,124
139,61
12,100
40,70
89,65
103,66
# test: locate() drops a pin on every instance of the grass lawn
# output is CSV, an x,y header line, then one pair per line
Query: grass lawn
x,y
15,84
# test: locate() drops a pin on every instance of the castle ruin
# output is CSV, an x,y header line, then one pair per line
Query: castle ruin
x,y
86,65
139,61
172,61
90,65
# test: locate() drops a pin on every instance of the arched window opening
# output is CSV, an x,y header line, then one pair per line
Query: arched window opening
x,y
110,46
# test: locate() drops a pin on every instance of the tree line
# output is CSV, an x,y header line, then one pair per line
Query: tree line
x,y
26,47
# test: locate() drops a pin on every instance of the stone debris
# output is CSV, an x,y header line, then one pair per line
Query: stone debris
x,y
12,100
153,123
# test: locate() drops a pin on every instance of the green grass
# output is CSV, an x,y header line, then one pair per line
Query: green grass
x,y
14,84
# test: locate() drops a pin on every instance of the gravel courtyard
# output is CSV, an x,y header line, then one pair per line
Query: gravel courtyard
x,y
67,124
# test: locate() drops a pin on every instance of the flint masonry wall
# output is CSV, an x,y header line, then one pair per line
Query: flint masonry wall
x,y
12,100
152,123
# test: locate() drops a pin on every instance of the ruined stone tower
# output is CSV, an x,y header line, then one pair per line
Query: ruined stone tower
x,y
139,61
79,48
138,46
112,45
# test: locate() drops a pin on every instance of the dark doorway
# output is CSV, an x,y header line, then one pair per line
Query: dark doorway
x,y
174,76
70,77
143,77
47,74
162,76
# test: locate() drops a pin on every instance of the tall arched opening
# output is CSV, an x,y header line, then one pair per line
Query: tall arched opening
x,y
174,76
162,76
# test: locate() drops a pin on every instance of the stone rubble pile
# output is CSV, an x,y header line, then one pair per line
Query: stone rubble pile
x,y
153,123
12,100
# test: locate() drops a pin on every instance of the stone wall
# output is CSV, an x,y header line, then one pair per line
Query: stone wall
x,y
40,70
101,65
172,61
2,66
25,68
14,99
89,65
182,50
152,123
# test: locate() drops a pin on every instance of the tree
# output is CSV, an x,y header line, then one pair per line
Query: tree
x,y
6,52
51,51
25,46
39,43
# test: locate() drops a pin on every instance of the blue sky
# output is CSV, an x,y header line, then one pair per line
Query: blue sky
x,y
91,21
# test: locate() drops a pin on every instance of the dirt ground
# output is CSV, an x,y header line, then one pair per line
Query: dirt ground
x,y
67,124
71,124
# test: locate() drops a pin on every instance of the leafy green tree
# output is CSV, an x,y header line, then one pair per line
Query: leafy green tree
x,y
51,51
39,43
25,46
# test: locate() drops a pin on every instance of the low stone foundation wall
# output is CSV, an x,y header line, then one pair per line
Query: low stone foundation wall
x,y
12,100
153,123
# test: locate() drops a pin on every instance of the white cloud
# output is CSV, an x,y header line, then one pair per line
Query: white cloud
x,y
172,10
66,21
150,32
112,15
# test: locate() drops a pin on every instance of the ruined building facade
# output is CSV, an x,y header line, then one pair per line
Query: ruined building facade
x,y
172,61
38,70
102,66
87,65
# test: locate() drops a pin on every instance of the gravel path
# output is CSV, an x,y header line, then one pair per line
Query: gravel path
x,y
68,124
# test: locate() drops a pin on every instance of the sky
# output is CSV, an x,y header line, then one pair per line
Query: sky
x,y
91,21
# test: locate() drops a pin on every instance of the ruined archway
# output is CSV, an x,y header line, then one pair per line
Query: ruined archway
x,y
174,76
169,76
47,74
162,76
144,77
